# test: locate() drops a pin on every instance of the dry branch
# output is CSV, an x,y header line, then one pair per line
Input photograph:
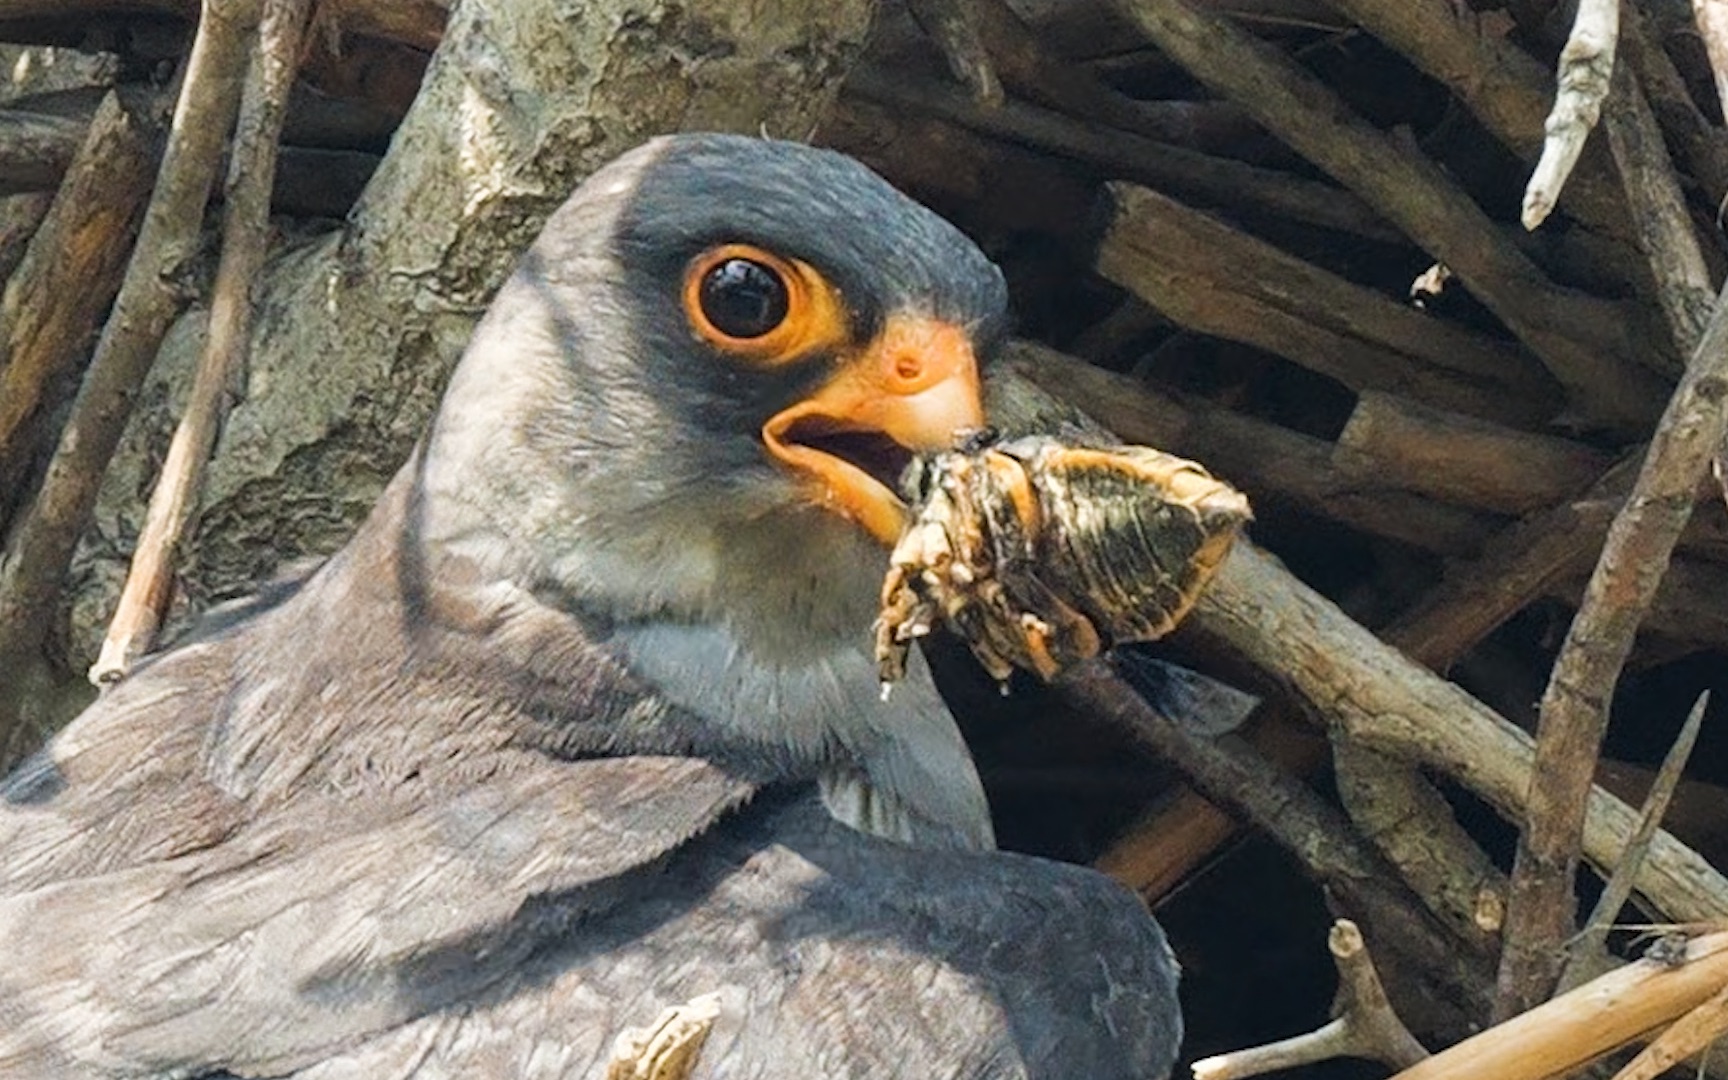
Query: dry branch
x,y
1262,458
1315,834
1659,215
1303,642
1190,174
245,238
1366,1025
1209,277
1690,1034
35,150
69,274
1712,17
1584,949
1640,543
1586,67
1580,340
1502,85
150,296
1565,1033
953,25
1460,458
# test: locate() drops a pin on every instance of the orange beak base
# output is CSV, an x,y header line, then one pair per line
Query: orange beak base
x,y
916,386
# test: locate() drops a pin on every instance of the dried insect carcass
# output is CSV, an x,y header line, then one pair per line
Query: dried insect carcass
x,y
1041,554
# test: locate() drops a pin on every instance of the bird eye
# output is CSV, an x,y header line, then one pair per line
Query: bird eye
x,y
743,298
750,303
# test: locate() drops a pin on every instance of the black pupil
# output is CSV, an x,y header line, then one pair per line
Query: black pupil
x,y
743,299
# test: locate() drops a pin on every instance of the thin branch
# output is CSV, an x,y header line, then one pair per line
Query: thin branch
x,y
1586,66
150,296
1689,1035
1366,1025
1575,707
1658,209
1576,338
1588,944
1575,1028
245,237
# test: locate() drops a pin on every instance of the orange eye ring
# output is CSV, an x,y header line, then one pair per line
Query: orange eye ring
x,y
807,316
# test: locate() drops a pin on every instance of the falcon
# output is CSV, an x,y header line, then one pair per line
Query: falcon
x,y
583,722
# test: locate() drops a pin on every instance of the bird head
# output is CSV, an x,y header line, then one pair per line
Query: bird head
x,y
714,362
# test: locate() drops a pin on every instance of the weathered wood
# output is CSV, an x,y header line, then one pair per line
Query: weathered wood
x,y
1502,85
1263,459
1462,459
1217,280
1575,1028
245,237
1301,641
150,295
1200,177
35,150
1583,342
1574,716
68,276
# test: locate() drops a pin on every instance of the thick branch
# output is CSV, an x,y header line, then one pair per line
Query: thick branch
x,y
1262,458
1658,207
1302,641
1461,459
69,274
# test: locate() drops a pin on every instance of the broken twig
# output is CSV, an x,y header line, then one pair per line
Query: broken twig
x,y
1366,1025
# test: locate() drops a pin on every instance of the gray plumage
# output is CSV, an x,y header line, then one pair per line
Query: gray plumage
x,y
536,754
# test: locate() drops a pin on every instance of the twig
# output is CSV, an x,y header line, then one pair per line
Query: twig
x,y
1502,85
245,235
69,274
1575,707
1556,1037
1588,944
1658,209
1580,342
1366,1025
149,297
1690,1034
1586,66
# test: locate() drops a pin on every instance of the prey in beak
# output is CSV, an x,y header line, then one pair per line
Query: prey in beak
x,y
911,390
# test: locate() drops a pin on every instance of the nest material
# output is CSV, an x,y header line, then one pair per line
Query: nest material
x,y
1041,554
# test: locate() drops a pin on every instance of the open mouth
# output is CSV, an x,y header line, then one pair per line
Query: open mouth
x,y
872,453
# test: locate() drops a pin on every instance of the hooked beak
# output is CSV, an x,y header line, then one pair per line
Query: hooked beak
x,y
910,392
